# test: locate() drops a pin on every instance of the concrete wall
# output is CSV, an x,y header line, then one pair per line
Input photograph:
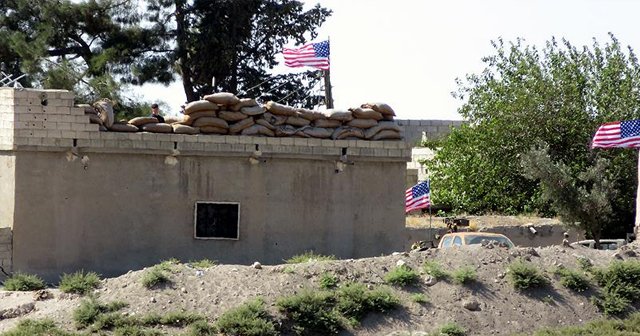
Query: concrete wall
x,y
434,129
110,202
5,249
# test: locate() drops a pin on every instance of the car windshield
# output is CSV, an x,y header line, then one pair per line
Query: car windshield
x,y
477,239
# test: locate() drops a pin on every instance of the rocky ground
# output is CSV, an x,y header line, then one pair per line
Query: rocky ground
x,y
490,306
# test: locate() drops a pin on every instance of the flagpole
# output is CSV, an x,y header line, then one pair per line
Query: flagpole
x,y
636,229
328,96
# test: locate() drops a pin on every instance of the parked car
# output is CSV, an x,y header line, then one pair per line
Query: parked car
x,y
605,244
473,238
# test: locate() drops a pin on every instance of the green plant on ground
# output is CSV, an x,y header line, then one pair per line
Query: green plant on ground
x,y
548,299
585,263
450,329
203,263
250,319
604,327
328,280
464,275
621,287
524,275
289,270
23,282
154,276
201,328
168,265
176,319
312,312
434,269
309,256
37,328
419,298
79,282
402,276
572,279
381,300
134,330
91,309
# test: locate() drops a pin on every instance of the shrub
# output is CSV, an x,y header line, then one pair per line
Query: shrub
x,y
402,276
23,282
524,275
154,276
309,256
572,279
168,265
202,328
203,263
451,329
90,310
382,300
36,328
419,298
621,282
133,330
585,263
312,312
328,281
612,303
79,282
250,319
464,275
435,270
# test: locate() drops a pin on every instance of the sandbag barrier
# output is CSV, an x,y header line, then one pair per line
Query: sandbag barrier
x,y
225,114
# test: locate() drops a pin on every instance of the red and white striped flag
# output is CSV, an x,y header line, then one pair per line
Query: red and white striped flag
x,y
418,197
624,134
315,55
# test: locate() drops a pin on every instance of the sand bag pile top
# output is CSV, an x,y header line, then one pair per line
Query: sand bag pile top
x,y
224,113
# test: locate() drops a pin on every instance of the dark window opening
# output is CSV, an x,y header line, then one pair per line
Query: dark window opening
x,y
217,220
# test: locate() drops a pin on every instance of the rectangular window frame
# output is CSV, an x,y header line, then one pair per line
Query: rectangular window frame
x,y
195,221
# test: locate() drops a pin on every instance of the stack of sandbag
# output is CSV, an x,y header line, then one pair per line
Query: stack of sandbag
x,y
93,115
104,107
371,121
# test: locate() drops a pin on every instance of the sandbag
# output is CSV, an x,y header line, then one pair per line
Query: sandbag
x,y
340,115
362,123
232,116
157,128
184,129
210,121
366,113
213,130
383,125
257,130
327,123
297,121
123,127
310,115
173,119
387,135
285,130
139,121
382,108
105,111
265,123
240,125
345,132
275,120
244,102
279,109
95,119
88,109
200,105
318,132
222,98
253,110
190,118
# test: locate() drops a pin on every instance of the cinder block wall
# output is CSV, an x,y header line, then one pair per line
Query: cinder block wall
x,y
434,129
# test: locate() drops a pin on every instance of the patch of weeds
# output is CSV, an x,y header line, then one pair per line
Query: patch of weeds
x,y
176,319
524,275
79,282
202,263
201,328
419,298
154,276
250,319
585,263
328,281
309,256
629,326
434,269
289,270
548,300
133,330
312,312
611,303
464,275
382,300
37,328
572,279
450,329
402,276
90,310
23,282
621,282
168,265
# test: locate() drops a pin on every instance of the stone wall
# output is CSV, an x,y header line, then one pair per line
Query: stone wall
x,y
434,129
5,249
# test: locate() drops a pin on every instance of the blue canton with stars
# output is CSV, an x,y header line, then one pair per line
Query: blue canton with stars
x,y
421,189
629,128
321,49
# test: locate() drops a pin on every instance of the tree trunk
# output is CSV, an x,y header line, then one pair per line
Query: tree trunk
x,y
596,233
182,51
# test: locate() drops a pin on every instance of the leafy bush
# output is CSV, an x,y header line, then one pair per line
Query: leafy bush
x,y
523,275
629,326
202,328
572,279
23,282
402,276
382,300
203,263
309,256
450,329
435,270
176,319
91,309
328,281
250,319
36,328
464,275
154,276
312,311
585,263
621,282
168,265
79,282
134,330
419,298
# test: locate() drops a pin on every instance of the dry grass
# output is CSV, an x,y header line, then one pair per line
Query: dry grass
x,y
419,221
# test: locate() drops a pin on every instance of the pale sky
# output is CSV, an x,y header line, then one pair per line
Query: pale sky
x,y
408,53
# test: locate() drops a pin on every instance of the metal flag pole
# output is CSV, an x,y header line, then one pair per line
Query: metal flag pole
x,y
328,96
636,229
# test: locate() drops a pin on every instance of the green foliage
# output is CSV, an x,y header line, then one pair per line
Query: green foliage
x,y
309,256
585,263
464,275
402,276
91,309
572,279
154,276
419,298
450,329
134,330
23,282
524,275
79,282
328,281
37,328
250,319
629,326
566,92
202,328
434,269
621,287
312,312
203,263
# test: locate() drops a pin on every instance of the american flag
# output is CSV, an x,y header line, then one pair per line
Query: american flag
x,y
418,197
618,134
312,54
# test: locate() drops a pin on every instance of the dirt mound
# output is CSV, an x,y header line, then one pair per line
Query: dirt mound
x,y
493,307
